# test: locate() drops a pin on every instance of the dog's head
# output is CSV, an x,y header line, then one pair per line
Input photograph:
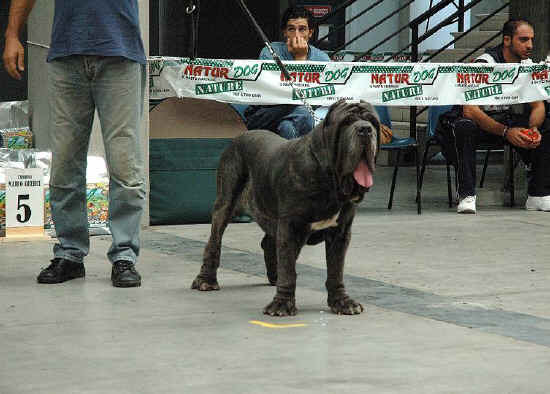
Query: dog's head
x,y
351,131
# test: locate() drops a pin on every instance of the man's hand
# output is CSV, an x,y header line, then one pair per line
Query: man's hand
x,y
14,54
298,48
536,138
14,57
516,137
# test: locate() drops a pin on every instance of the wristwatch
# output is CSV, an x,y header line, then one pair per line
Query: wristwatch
x,y
505,132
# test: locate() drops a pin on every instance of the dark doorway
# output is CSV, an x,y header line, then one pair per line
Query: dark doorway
x,y
328,29
224,31
12,90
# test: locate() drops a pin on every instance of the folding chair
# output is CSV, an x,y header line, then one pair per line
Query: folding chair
x,y
399,145
434,112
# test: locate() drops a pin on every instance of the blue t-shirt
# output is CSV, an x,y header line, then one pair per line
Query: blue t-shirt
x,y
96,27
280,48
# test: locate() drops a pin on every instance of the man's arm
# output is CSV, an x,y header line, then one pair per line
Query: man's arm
x,y
538,114
482,120
513,135
14,54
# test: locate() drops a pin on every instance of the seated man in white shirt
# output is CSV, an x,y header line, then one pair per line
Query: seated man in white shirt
x,y
474,124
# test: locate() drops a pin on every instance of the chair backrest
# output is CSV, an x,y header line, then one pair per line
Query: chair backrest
x,y
239,109
320,113
434,112
384,115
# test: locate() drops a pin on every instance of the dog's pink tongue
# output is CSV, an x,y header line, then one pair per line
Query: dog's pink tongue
x,y
362,174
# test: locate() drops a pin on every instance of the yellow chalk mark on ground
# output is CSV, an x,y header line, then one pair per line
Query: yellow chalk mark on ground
x,y
276,325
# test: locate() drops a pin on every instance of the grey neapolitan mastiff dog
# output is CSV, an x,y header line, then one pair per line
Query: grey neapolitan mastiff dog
x,y
302,191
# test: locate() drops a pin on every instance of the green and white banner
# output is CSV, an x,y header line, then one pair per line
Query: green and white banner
x,y
322,83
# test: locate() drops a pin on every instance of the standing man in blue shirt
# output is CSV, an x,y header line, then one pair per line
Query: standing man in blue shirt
x,y
289,121
96,61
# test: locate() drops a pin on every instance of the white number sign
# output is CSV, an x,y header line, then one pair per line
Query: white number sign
x,y
24,197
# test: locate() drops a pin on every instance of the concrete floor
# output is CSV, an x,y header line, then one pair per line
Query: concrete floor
x,y
455,304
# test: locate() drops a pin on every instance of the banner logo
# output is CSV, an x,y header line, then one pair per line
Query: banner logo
x,y
242,70
389,79
540,76
207,71
482,92
218,87
302,77
318,91
402,93
155,67
503,74
336,74
472,78
423,74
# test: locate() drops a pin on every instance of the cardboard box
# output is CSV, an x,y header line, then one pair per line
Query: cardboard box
x,y
16,138
188,137
97,190
97,200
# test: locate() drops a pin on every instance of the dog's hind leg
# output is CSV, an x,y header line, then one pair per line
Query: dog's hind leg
x,y
270,257
336,244
231,178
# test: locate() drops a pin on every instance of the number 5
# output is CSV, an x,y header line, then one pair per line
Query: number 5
x,y
25,207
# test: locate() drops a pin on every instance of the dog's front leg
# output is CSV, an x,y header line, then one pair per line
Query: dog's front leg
x,y
289,241
336,245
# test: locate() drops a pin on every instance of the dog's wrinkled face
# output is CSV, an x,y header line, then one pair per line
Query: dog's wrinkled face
x,y
354,128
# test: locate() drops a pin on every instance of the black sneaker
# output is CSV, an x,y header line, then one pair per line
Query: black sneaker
x,y
61,270
124,274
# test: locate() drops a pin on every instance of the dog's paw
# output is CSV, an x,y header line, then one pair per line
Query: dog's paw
x,y
280,307
203,284
345,306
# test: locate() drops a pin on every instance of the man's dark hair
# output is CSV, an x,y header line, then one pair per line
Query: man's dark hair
x,y
297,12
511,26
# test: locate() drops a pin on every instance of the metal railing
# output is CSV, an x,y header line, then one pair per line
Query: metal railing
x,y
413,26
375,25
464,33
416,40
338,28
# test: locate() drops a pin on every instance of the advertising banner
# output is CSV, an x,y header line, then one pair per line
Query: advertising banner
x,y
323,83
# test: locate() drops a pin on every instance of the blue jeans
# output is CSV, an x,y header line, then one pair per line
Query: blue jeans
x,y
289,121
78,85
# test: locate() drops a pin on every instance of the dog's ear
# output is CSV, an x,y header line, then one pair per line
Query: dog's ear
x,y
371,117
369,113
329,118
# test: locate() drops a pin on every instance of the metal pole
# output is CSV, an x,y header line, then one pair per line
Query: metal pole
x,y
414,59
266,41
461,16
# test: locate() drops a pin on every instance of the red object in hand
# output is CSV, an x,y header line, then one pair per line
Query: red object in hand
x,y
532,134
